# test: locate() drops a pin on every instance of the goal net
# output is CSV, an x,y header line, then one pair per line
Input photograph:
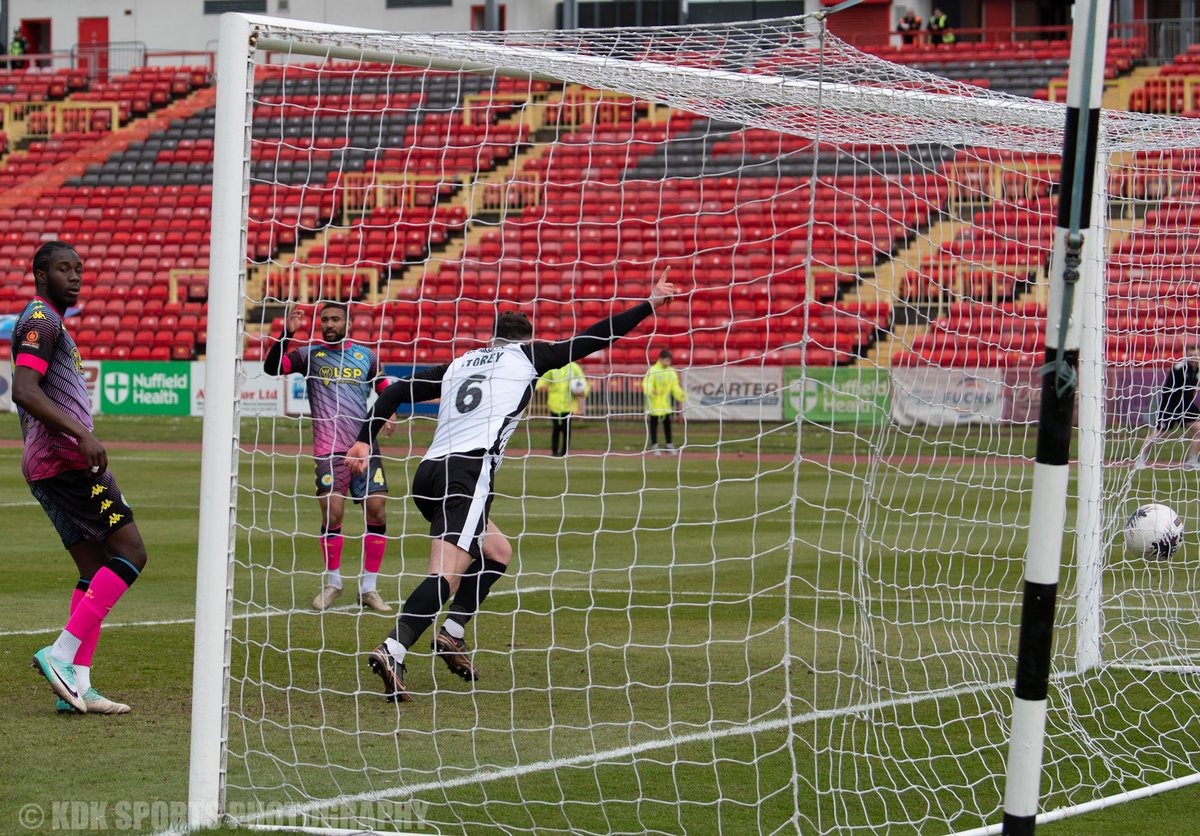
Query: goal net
x,y
802,617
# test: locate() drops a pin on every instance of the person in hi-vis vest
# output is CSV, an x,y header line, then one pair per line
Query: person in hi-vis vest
x,y
567,389
660,385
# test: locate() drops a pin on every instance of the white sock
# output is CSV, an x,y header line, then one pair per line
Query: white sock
x,y
453,628
65,647
395,648
83,678
367,582
333,578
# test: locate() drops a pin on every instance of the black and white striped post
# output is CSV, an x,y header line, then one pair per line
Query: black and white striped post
x,y
1089,39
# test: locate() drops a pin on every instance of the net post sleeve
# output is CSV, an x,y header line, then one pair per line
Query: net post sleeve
x,y
1089,525
1043,555
219,452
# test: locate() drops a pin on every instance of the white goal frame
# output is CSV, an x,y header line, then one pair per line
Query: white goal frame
x,y
220,452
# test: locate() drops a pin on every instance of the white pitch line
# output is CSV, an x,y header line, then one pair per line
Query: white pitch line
x,y
582,590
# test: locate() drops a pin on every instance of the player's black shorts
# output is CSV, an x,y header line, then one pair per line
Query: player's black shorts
x,y
82,506
455,494
334,477
1173,413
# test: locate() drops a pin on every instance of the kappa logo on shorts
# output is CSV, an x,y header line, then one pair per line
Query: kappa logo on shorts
x,y
113,519
105,505
97,490
327,479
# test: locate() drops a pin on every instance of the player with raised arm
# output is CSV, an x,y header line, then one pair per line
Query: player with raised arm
x,y
340,376
483,397
67,471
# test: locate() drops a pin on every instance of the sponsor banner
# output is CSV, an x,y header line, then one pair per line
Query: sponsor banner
x,y
834,395
394,370
261,393
129,388
6,404
91,378
295,395
1131,395
930,395
731,393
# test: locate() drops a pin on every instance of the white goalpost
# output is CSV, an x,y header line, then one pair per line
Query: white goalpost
x,y
805,617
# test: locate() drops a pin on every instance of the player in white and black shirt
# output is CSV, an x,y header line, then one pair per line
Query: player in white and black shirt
x,y
483,395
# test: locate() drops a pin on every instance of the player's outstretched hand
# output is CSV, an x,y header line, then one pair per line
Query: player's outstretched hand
x,y
94,452
356,457
295,319
663,290
389,427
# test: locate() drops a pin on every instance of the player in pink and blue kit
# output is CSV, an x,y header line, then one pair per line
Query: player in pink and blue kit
x,y
67,471
340,377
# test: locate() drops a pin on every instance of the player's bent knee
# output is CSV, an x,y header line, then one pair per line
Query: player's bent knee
x,y
376,510
127,544
497,547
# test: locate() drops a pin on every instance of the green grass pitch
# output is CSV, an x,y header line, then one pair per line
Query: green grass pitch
x,y
650,665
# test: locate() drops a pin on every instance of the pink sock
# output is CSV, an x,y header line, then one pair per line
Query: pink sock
x,y
89,613
331,548
373,548
83,656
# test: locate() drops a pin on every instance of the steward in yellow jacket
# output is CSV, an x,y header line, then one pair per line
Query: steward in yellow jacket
x,y
660,385
567,388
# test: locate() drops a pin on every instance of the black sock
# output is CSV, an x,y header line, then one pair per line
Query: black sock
x,y
420,609
123,569
475,586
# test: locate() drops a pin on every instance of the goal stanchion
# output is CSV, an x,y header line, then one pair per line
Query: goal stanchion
x,y
219,456
1072,287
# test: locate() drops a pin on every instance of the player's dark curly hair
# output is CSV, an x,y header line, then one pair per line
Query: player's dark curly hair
x,y
41,259
337,306
513,326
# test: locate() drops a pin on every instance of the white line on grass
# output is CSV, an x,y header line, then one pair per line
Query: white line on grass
x,y
958,603
174,622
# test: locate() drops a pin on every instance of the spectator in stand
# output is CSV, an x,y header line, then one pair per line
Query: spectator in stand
x,y
939,28
18,46
909,27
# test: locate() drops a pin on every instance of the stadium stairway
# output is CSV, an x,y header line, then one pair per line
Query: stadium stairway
x,y
889,278
452,249
472,200
1117,94
532,116
55,176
